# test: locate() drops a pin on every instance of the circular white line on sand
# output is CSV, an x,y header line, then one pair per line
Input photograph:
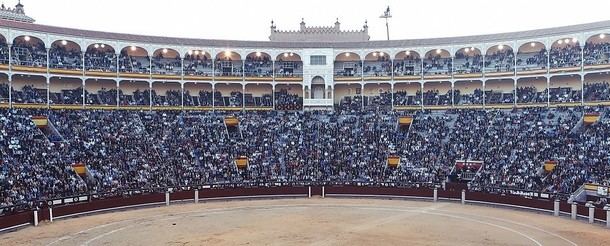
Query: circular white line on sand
x,y
424,210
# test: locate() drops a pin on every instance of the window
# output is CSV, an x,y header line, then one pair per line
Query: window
x,y
317,60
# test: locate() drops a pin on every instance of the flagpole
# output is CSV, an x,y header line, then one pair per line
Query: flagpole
x,y
387,28
386,15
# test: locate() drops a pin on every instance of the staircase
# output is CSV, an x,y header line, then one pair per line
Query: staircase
x,y
233,130
48,129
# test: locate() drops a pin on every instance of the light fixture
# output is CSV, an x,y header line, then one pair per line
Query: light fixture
x,y
291,54
103,46
285,54
567,40
574,40
196,52
190,52
381,54
227,53
438,51
602,36
374,53
26,38
164,51
467,50
258,54
96,46
64,42
533,44
347,54
408,52
133,48
501,47
560,41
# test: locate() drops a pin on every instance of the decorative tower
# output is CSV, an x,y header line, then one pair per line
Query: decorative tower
x,y
303,25
272,26
16,14
19,8
319,33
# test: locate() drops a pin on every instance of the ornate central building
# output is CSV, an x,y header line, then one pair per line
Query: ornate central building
x,y
316,34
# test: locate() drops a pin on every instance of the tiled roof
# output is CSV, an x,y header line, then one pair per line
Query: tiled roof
x,y
11,15
268,44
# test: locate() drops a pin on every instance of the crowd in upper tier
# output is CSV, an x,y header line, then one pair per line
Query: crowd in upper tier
x,y
284,99
292,100
126,150
100,57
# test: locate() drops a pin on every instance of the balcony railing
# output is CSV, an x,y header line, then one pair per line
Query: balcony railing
x,y
317,102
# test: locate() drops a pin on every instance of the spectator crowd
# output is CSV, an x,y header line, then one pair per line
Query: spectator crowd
x,y
125,149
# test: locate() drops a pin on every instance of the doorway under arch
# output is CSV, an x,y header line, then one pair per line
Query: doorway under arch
x,y
318,88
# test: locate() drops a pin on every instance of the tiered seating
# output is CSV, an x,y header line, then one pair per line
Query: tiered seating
x,y
287,101
468,64
515,144
599,91
258,67
67,96
123,149
476,98
133,64
61,58
383,101
381,67
435,65
433,97
288,69
197,65
351,104
100,61
264,101
568,56
115,146
4,93
348,69
531,95
532,61
32,167
169,66
26,54
420,151
204,98
500,61
103,97
138,98
407,67
228,68
496,97
29,94
565,95
597,54
171,98
402,98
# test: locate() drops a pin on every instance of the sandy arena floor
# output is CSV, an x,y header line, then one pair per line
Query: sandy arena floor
x,y
314,222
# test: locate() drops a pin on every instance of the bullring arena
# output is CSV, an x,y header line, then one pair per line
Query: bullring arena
x,y
341,215
316,221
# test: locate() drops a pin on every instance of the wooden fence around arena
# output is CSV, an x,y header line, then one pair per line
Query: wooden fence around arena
x,y
75,206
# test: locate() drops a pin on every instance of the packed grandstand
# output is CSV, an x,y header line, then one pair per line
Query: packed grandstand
x,y
87,112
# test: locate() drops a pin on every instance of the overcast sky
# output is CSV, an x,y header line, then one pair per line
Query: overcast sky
x,y
250,19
